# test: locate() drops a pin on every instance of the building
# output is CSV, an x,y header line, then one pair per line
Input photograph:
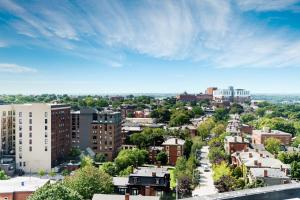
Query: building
x,y
75,127
232,95
174,149
148,181
185,97
210,90
116,98
260,136
269,176
7,130
153,151
122,197
105,133
235,143
201,97
41,135
20,188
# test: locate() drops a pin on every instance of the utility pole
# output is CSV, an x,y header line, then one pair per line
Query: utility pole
x,y
176,189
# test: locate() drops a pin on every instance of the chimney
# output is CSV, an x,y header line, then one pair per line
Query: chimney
x,y
259,164
246,150
127,196
255,162
22,183
261,155
265,173
158,164
176,141
153,174
256,150
250,155
235,139
243,140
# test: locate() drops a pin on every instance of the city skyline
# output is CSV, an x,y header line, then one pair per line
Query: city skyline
x,y
149,47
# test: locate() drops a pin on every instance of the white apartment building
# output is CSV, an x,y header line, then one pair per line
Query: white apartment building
x,y
232,95
42,135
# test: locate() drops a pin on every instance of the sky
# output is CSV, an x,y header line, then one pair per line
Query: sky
x,y
137,46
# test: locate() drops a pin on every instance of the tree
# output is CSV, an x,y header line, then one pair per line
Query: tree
x,y
272,145
74,152
162,157
295,169
225,183
221,170
179,118
277,124
109,168
205,128
246,118
55,191
197,110
52,173
3,176
126,172
86,161
41,172
217,155
130,157
100,157
219,129
88,181
221,114
187,147
236,109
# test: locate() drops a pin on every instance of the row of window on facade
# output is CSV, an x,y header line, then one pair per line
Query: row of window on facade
x,y
30,114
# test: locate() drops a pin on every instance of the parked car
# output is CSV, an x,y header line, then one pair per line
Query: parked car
x,y
206,168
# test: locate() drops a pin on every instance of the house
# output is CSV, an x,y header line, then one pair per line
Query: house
x,y
20,188
235,143
260,136
269,176
146,181
122,197
149,181
174,149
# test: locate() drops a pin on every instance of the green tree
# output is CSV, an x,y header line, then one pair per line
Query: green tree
x,y
109,168
86,161
55,191
236,109
221,114
248,117
52,173
187,147
219,129
197,110
88,181
162,157
272,145
41,172
179,118
221,170
74,152
100,157
130,157
3,176
126,172
205,128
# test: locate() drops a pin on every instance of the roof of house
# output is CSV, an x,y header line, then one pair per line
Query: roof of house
x,y
22,184
148,171
120,181
272,132
122,197
236,139
174,141
271,173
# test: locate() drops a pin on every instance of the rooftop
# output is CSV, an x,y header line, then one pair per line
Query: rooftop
x,y
272,173
147,171
122,197
270,132
120,181
22,184
174,141
236,139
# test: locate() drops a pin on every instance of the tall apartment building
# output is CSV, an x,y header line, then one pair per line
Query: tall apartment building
x,y
105,133
232,95
7,130
42,135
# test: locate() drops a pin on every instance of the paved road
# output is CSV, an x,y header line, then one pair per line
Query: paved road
x,y
206,186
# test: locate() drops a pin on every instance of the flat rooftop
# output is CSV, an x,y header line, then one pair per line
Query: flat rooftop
x,y
22,184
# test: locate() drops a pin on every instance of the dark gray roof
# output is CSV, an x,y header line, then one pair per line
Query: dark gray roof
x,y
122,197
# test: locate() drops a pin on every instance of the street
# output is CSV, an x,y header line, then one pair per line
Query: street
x,y
206,184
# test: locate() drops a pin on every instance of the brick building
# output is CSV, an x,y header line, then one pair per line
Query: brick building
x,y
260,136
174,149
235,143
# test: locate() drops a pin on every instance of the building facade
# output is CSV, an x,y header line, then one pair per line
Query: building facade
x,y
105,133
232,95
260,136
42,135
174,149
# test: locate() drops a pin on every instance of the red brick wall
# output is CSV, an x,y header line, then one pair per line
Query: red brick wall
x,y
15,195
234,147
172,152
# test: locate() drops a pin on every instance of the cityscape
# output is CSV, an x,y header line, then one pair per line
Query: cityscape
x,y
155,100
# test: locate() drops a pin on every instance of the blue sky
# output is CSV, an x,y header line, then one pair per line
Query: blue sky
x,y
98,46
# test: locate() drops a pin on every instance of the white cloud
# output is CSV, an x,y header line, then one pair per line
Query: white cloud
x,y
14,68
208,32
269,5
3,44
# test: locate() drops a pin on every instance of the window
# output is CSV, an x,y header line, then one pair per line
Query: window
x,y
30,134
20,164
24,164
30,128
46,121
20,121
46,148
30,114
30,141
46,135
20,155
30,121
46,141
46,114
20,134
20,141
30,148
20,114
46,128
